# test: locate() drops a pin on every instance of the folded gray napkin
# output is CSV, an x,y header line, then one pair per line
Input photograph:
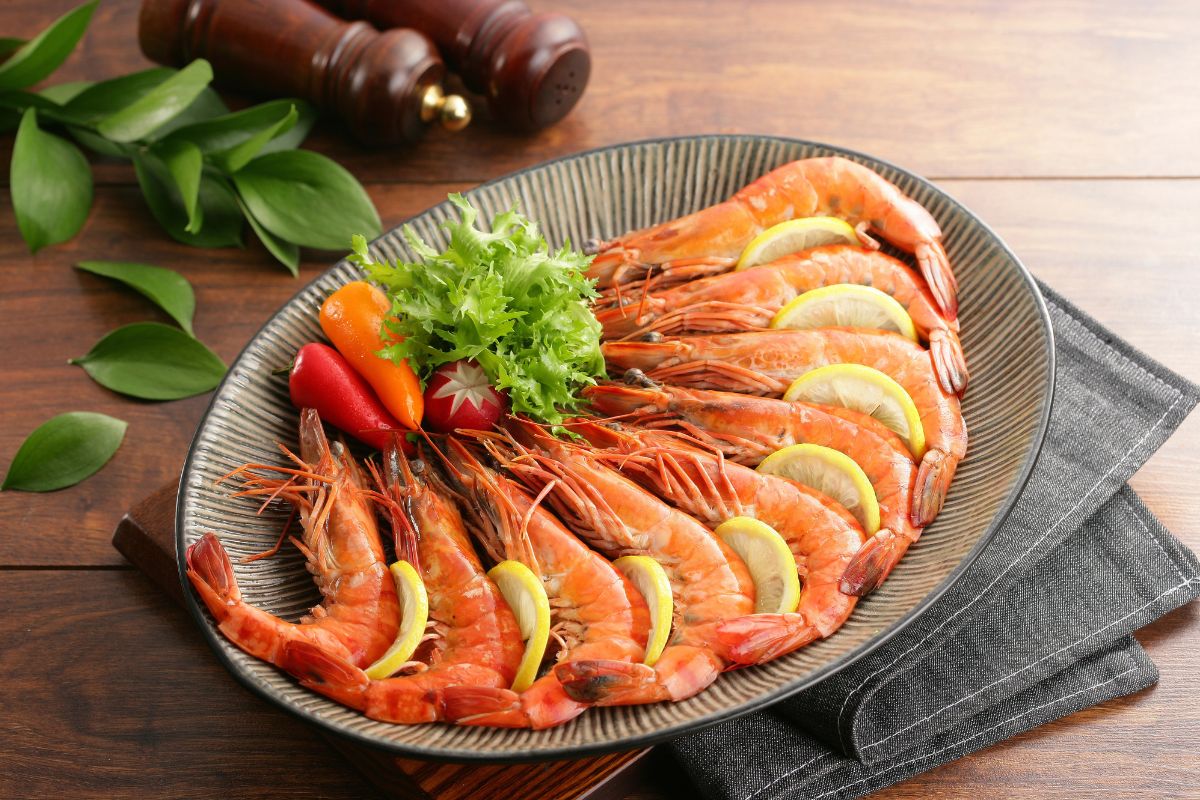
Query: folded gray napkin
x,y
1036,629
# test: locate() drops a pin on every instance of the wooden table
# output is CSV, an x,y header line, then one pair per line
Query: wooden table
x,y
1070,127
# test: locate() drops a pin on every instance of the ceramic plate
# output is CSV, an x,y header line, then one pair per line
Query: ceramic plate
x,y
1008,344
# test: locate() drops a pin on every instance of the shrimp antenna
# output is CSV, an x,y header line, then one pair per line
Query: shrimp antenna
x,y
499,522
394,488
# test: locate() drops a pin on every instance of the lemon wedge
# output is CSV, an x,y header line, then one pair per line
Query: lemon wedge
x,y
864,389
414,614
832,473
527,598
846,305
770,562
796,235
649,578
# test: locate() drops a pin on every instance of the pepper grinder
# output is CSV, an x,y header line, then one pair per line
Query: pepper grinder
x,y
532,68
385,86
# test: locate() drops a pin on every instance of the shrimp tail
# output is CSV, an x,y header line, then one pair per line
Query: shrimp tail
x,y
935,266
326,673
543,705
681,672
933,481
610,683
949,363
872,563
759,638
211,573
484,705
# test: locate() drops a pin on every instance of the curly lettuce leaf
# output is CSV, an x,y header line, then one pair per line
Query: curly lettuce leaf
x,y
501,297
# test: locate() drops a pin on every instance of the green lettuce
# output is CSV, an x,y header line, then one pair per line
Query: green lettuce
x,y
501,297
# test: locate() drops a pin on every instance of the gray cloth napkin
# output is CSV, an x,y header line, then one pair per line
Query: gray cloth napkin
x,y
1036,629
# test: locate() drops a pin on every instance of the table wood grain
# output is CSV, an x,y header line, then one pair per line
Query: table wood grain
x,y
1070,127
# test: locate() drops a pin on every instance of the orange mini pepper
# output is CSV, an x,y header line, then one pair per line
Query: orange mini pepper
x,y
352,318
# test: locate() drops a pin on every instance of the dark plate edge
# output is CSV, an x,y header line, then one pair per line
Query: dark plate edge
x,y
443,754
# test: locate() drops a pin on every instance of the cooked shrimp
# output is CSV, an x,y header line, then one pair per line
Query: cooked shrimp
x,y
359,612
475,642
749,299
765,362
747,429
712,239
709,582
595,612
823,536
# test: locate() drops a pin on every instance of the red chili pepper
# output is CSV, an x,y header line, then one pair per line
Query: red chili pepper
x,y
322,379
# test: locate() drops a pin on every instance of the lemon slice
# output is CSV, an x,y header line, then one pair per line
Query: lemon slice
x,y
527,598
846,305
864,389
414,613
648,576
796,235
830,472
770,561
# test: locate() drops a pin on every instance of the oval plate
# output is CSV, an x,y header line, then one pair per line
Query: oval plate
x,y
1006,336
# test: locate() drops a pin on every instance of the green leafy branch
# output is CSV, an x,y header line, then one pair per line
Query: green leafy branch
x,y
204,171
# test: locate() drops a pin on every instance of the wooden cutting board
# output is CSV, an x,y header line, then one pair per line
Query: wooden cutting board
x,y
146,536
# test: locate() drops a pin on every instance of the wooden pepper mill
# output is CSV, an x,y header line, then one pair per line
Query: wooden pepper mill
x,y
386,87
531,67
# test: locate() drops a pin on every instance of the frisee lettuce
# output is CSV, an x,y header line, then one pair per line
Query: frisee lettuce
x,y
502,298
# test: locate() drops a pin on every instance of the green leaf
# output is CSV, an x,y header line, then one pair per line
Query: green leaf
x,y
152,361
51,185
158,106
185,165
43,54
236,158
233,139
166,288
8,44
306,198
63,93
207,105
19,101
106,98
63,451
218,207
285,253
291,139
99,145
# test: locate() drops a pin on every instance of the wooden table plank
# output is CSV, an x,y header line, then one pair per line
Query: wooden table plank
x,y
945,88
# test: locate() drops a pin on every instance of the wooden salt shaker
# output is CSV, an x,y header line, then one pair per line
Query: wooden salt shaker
x,y
531,67
386,87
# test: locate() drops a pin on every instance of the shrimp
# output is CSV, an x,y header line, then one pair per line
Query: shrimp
x,y
709,582
748,299
765,362
596,613
712,239
359,611
475,639
822,535
747,428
